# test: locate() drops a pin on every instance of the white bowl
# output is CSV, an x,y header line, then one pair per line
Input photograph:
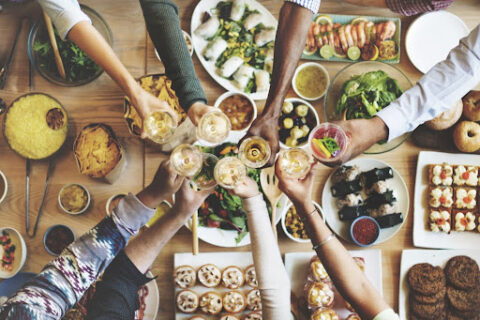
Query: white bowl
x,y
186,36
303,66
4,195
236,135
297,101
20,253
88,199
284,227
109,201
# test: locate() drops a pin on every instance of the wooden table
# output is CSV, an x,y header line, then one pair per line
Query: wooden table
x,y
101,101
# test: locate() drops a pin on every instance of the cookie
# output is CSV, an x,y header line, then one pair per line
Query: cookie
x,y
432,299
458,315
428,311
426,279
464,301
462,272
442,316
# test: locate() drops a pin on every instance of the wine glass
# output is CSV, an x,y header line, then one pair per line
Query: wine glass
x,y
295,162
159,126
214,127
205,178
254,152
229,172
186,160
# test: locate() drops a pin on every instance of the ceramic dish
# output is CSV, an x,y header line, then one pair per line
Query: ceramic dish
x,y
302,67
397,184
188,40
19,252
284,226
3,187
314,122
352,231
150,296
50,240
112,202
61,199
10,286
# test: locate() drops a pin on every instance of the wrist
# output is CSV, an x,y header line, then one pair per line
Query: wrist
x,y
150,197
304,207
382,129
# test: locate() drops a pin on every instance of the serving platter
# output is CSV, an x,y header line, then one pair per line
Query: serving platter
x,y
297,264
434,257
199,43
397,184
422,236
151,300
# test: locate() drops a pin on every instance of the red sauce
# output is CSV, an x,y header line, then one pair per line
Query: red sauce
x,y
58,239
365,231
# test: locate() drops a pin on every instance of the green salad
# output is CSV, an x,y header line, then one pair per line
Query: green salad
x,y
366,94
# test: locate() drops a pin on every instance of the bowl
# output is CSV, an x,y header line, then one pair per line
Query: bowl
x,y
297,101
56,231
38,31
20,252
188,40
335,89
62,204
3,186
112,202
359,220
329,130
284,226
322,70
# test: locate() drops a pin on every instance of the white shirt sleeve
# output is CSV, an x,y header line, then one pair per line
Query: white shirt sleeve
x,y
273,281
446,83
387,314
64,14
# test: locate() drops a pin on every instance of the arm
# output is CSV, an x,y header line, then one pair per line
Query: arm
x,y
349,280
413,7
273,281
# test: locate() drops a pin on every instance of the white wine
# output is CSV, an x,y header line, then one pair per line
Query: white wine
x,y
254,152
205,178
159,126
213,127
295,162
229,172
186,160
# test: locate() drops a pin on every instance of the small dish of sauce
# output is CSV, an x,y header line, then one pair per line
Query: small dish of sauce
x,y
310,81
57,238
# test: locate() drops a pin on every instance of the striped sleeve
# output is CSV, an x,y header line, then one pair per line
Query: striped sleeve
x,y
312,5
413,7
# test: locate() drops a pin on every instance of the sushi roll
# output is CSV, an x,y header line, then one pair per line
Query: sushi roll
x,y
264,37
253,20
346,173
242,76
209,28
389,220
230,66
345,187
377,199
214,49
382,210
376,174
238,9
381,186
350,200
262,80
350,213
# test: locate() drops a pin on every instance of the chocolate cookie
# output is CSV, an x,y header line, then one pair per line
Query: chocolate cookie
x,y
432,299
458,315
428,311
464,301
426,279
462,272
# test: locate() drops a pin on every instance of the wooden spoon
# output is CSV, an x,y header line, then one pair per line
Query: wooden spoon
x,y
269,183
53,42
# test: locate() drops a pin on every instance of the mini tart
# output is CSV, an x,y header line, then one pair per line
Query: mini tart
x,y
229,317
254,300
324,314
233,277
441,197
317,270
439,220
251,276
187,301
353,316
209,275
211,303
464,221
253,316
319,295
197,318
234,302
184,277
465,198
441,174
465,175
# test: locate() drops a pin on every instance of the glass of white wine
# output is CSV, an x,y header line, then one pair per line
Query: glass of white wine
x,y
186,160
214,127
159,126
205,178
254,152
295,162
229,172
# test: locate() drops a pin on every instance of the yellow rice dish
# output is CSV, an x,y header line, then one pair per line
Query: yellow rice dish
x,y
36,126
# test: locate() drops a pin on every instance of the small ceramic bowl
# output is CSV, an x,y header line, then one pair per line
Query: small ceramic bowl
x,y
3,182
111,202
303,66
71,212
58,228
20,253
364,218
284,226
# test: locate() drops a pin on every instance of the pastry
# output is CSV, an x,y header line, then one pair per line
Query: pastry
x,y
210,303
187,301
428,311
253,316
465,198
447,118
319,295
440,174
197,318
229,317
441,197
317,271
466,136
251,276
471,105
426,279
465,175
234,302
209,275
353,316
324,314
439,220
184,277
233,277
464,221
462,272
254,300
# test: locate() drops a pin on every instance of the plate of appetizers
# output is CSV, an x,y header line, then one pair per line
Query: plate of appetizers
x,y
225,279
446,201
348,38
234,42
308,277
429,269
365,187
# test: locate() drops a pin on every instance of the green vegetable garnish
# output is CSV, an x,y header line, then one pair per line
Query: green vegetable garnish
x,y
330,144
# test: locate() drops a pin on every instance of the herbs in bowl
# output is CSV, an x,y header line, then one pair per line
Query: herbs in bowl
x,y
297,120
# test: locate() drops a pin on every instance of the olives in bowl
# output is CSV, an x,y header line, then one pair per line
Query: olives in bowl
x,y
296,121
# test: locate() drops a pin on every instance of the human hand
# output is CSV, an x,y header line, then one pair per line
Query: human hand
x,y
188,200
267,128
246,189
197,110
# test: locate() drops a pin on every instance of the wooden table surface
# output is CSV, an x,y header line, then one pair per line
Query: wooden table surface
x,y
102,100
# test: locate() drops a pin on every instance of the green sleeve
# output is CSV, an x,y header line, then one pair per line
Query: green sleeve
x,y
163,24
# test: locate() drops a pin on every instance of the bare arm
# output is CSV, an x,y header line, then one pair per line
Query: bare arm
x,y
369,3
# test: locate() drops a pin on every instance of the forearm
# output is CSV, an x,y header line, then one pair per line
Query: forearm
x,y
369,3
413,7
163,24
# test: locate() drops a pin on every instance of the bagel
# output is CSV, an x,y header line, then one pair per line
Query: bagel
x,y
471,105
446,119
466,136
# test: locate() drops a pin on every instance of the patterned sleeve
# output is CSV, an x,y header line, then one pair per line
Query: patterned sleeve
x,y
413,7
312,5
64,280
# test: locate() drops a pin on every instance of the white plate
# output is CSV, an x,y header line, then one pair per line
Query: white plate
x,y
152,301
199,43
431,36
221,260
400,191
297,264
434,257
422,237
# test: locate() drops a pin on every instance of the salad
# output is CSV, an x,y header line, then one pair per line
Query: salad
x,y
221,209
366,94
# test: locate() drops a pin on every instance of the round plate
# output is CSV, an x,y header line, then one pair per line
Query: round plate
x,y
9,286
152,300
426,48
400,191
199,43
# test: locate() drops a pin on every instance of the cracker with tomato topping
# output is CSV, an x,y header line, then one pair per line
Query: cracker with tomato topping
x,y
465,198
465,175
440,174
440,197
